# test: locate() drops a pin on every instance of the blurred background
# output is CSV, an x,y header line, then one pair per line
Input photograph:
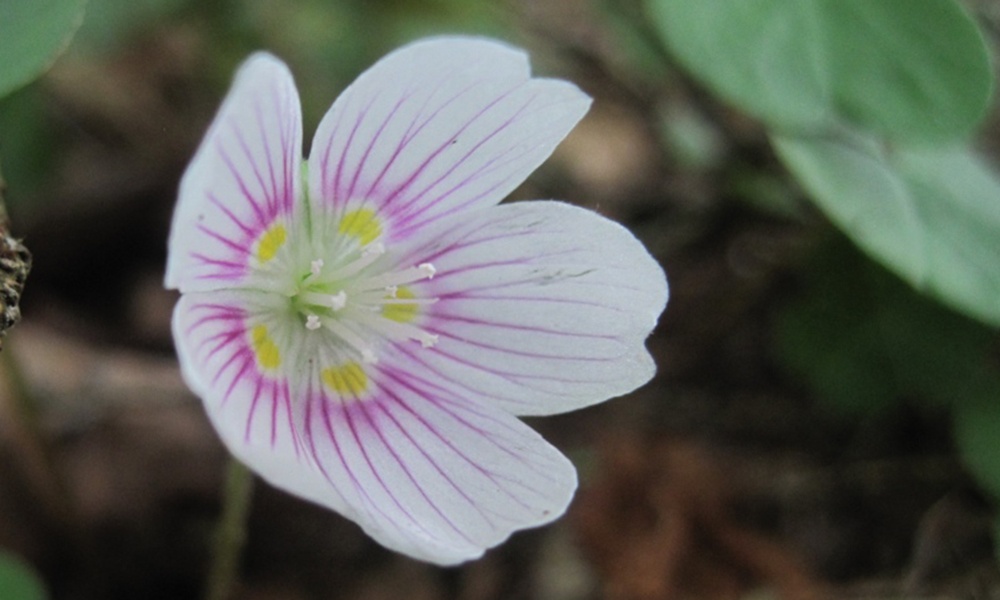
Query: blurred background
x,y
797,442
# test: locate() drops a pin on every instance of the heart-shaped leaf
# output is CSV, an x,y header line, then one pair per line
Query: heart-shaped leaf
x,y
930,215
32,34
910,69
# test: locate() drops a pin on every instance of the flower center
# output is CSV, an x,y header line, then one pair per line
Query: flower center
x,y
361,303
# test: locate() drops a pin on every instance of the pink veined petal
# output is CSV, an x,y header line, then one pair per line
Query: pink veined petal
x,y
259,416
424,472
429,474
542,307
437,127
244,178
214,332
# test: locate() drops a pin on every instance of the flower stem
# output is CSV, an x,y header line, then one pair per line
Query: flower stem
x,y
40,469
230,532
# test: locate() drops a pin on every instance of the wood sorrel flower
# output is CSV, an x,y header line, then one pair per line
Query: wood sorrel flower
x,y
365,325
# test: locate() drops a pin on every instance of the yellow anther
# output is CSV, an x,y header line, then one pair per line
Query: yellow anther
x,y
272,241
346,380
264,348
361,223
403,312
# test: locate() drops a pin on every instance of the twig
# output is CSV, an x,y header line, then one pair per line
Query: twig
x,y
15,264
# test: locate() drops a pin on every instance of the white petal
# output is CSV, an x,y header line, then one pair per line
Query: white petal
x,y
431,475
424,472
213,332
543,307
244,177
259,416
439,126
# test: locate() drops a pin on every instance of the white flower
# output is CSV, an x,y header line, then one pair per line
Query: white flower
x,y
365,326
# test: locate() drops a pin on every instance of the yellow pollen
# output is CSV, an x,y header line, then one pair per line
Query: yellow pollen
x,y
401,313
361,223
264,348
272,241
346,380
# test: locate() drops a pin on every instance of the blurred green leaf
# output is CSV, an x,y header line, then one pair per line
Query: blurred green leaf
x,y
32,34
110,22
930,215
641,53
760,54
18,581
27,142
911,69
863,340
908,68
977,429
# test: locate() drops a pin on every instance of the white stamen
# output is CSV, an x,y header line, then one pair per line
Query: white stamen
x,y
394,329
368,256
421,301
363,323
428,270
338,300
335,301
353,339
397,278
378,297
378,248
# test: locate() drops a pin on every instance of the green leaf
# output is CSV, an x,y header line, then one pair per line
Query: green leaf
x,y
977,429
32,34
110,22
27,140
760,54
18,581
826,336
930,215
863,340
911,69
916,69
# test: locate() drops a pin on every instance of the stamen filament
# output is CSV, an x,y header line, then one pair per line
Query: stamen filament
x,y
364,322
397,278
335,301
379,299
406,301
394,329
368,256
353,339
